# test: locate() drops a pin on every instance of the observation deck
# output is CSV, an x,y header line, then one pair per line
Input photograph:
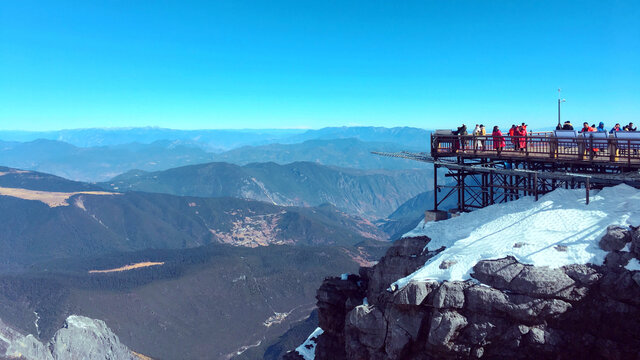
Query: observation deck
x,y
529,165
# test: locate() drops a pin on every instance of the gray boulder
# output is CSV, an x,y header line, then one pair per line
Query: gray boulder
x,y
544,282
414,293
367,324
403,329
584,274
615,260
444,327
615,239
450,295
486,300
497,273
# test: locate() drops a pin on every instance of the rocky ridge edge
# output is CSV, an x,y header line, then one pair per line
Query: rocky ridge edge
x,y
508,310
79,338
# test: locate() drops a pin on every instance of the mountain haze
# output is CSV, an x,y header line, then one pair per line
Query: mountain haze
x,y
371,194
348,152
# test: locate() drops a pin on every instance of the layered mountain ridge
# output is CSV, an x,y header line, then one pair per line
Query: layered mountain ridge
x,y
371,194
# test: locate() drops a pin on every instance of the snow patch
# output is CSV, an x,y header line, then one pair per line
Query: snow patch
x,y
81,322
308,348
633,265
36,322
559,229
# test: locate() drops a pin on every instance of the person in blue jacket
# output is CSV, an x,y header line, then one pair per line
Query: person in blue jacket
x,y
601,128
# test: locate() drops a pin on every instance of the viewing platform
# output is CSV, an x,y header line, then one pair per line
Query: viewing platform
x,y
621,149
529,165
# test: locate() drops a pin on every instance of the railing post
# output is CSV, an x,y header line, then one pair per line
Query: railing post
x,y
435,187
535,185
591,149
588,185
612,149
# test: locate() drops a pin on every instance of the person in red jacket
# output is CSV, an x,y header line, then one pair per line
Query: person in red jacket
x,y
498,140
586,128
521,138
512,135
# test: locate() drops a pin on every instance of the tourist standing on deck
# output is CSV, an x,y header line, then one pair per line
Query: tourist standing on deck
x,y
586,128
476,133
462,132
512,134
615,129
601,128
630,127
567,126
483,132
521,138
498,140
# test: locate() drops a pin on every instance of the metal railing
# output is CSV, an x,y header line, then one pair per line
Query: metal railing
x,y
584,147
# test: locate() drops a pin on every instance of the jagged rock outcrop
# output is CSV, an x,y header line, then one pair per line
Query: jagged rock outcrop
x,y
79,338
508,310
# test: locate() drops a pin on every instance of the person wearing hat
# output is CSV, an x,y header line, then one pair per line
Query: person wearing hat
x,y
567,126
601,128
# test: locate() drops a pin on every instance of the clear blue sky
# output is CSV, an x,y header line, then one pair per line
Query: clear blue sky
x,y
267,64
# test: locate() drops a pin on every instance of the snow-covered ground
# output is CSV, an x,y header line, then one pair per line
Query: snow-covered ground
x,y
308,348
557,230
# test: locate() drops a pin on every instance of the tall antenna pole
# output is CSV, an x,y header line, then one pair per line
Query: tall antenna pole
x,y
560,100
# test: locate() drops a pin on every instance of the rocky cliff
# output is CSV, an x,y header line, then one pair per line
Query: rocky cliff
x,y
506,310
79,338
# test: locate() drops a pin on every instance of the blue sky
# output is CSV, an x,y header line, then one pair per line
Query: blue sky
x,y
311,64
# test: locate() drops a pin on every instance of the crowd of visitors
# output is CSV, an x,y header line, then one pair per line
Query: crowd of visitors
x,y
518,135
600,128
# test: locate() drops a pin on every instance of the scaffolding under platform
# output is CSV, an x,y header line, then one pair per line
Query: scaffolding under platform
x,y
482,181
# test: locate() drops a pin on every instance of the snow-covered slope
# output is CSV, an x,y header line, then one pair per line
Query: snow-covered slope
x,y
308,349
559,229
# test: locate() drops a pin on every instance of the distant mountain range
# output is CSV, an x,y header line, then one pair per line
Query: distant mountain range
x,y
218,140
98,163
211,140
371,194
105,156
348,152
